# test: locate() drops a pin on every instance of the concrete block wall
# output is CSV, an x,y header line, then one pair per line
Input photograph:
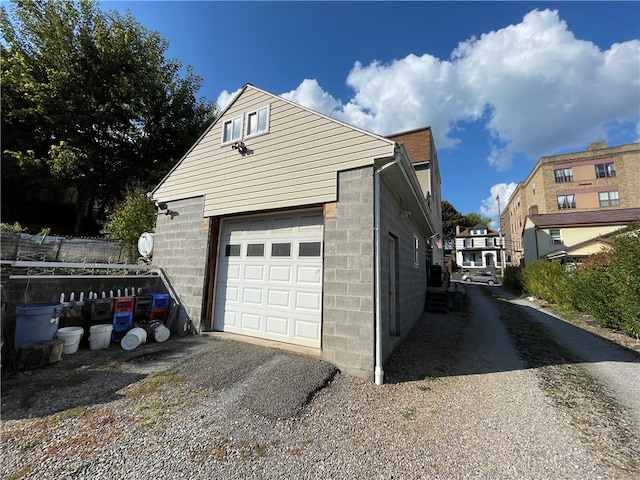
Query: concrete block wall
x,y
348,306
411,280
181,249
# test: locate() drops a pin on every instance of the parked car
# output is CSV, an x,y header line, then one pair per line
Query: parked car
x,y
482,277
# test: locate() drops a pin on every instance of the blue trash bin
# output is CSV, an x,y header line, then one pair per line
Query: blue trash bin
x,y
36,322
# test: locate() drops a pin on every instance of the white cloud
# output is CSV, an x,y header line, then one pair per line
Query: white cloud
x,y
311,95
489,206
224,99
534,85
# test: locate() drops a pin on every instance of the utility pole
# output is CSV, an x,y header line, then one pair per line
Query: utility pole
x,y
501,242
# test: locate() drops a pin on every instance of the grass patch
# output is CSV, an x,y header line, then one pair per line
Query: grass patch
x,y
113,365
154,383
74,412
23,472
409,414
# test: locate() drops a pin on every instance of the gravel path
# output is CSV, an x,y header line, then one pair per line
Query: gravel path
x,y
459,402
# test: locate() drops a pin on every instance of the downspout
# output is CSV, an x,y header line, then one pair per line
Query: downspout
x,y
378,370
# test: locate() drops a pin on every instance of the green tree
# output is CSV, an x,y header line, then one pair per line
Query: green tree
x,y
452,218
134,215
89,102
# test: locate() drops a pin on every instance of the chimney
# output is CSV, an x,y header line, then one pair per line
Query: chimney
x,y
457,230
597,146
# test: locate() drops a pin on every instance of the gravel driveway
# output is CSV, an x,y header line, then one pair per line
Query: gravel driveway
x,y
463,398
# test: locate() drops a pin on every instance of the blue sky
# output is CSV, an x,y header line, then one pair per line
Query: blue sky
x,y
500,83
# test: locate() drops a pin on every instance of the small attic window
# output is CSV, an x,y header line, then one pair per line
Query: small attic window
x,y
258,121
232,130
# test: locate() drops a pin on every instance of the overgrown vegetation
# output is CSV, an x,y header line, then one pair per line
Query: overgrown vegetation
x,y
606,285
131,217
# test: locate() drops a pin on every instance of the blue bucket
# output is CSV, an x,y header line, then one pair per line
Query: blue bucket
x,y
36,322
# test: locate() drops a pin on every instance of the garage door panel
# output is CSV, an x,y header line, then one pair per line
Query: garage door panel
x,y
308,301
269,279
231,294
254,272
252,296
230,318
279,299
307,330
309,275
250,321
280,273
283,225
277,325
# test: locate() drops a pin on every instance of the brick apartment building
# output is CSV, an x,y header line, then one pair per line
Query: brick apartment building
x,y
596,179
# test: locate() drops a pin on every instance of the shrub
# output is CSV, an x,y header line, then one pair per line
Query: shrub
x,y
15,228
131,218
513,279
547,280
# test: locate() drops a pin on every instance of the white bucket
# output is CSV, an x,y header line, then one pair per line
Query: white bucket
x,y
134,337
71,337
159,332
100,336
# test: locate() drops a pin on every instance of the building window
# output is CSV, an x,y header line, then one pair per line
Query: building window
x,y
554,236
232,251
255,250
566,201
563,175
232,131
604,170
258,121
309,249
609,199
416,251
280,249
468,242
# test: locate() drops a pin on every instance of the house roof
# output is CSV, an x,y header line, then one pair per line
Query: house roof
x,y
478,226
621,216
599,240
417,142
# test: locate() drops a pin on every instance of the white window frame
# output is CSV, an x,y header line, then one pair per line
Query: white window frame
x,y
563,175
555,236
416,251
566,202
233,139
256,112
612,200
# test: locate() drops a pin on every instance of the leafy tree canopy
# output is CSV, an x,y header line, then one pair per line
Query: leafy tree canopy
x,y
89,102
452,217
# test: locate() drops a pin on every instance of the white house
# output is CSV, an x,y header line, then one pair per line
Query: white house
x,y
479,248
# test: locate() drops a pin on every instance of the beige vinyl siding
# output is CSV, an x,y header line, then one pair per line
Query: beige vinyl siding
x,y
296,163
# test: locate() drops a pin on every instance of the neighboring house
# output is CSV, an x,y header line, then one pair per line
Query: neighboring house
x,y
600,178
291,226
479,248
572,236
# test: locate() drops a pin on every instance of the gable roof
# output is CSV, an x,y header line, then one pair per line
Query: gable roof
x,y
294,164
621,216
478,226
602,241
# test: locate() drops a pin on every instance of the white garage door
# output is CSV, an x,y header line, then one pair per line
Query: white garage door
x,y
269,280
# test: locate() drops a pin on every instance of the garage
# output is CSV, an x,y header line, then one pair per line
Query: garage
x,y
269,277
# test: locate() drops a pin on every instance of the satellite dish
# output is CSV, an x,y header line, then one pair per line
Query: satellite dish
x,y
145,244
